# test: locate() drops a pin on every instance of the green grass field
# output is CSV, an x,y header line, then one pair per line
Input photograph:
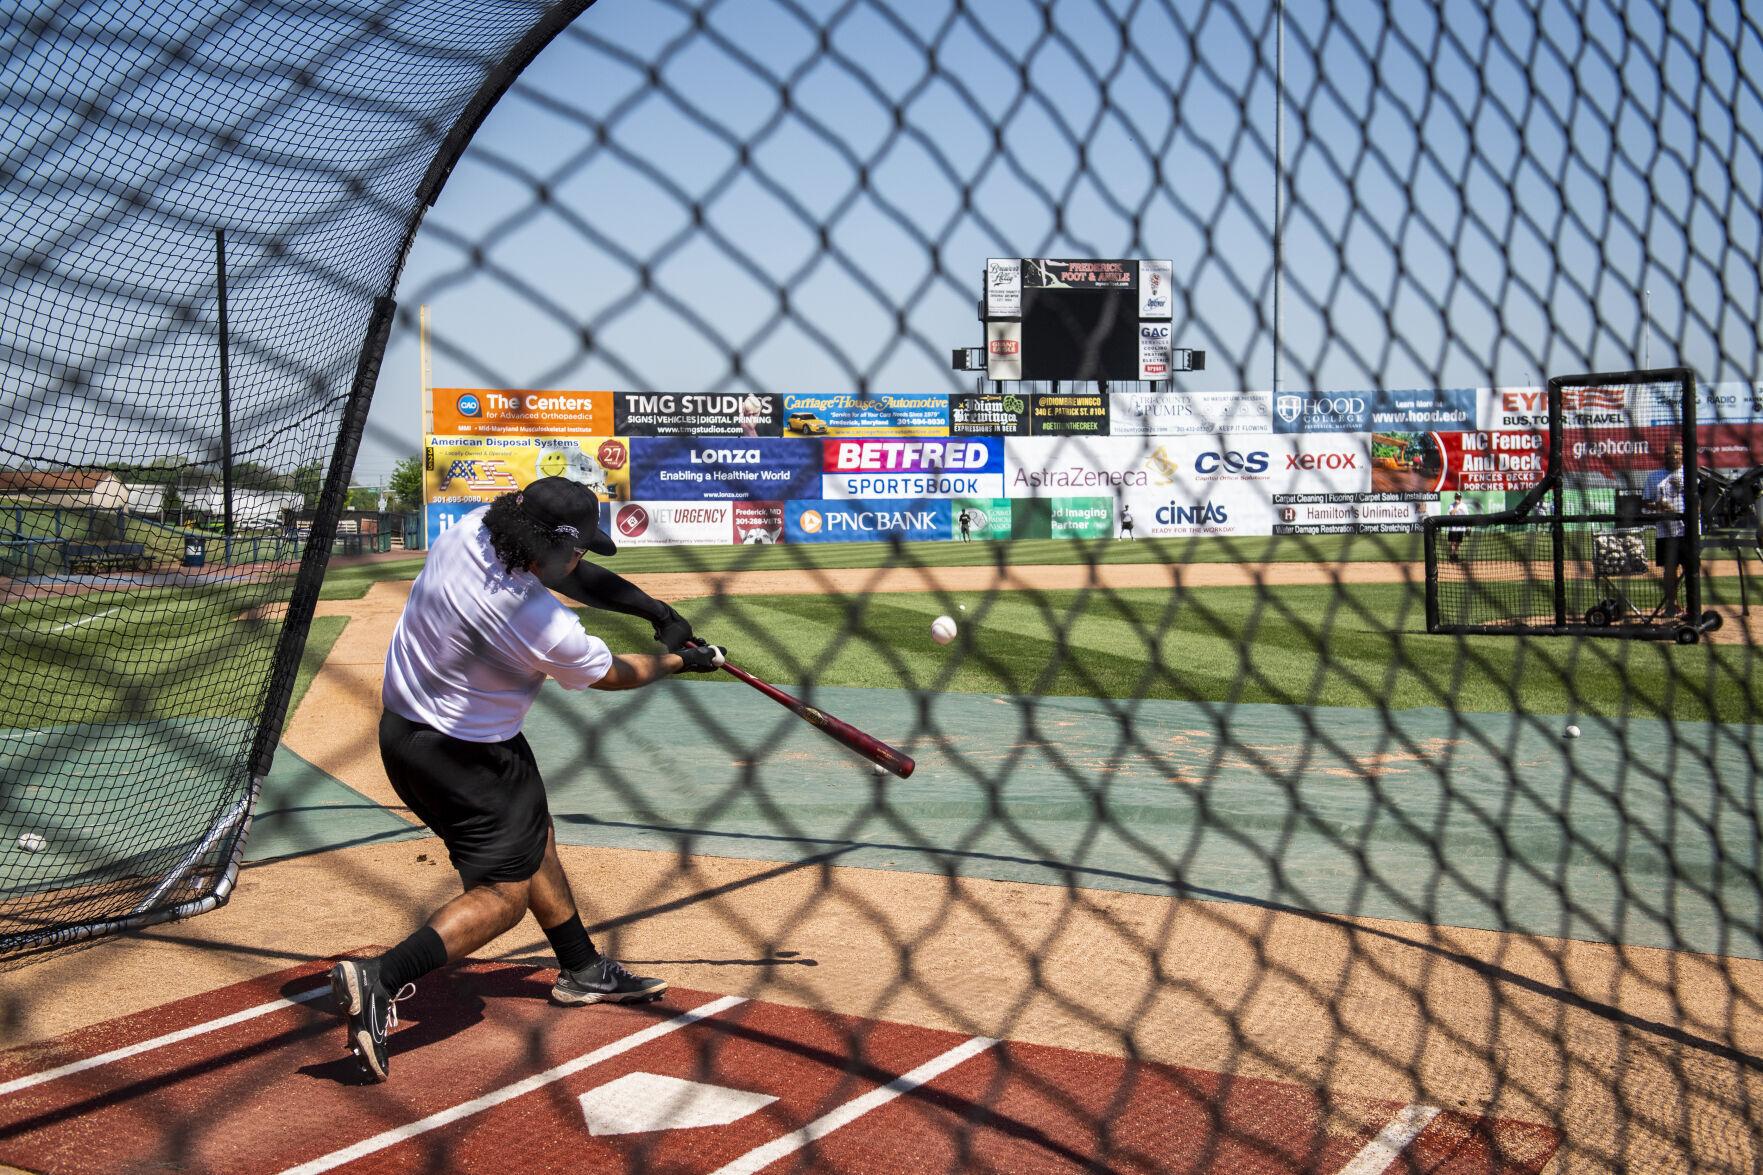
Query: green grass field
x,y
349,580
182,653
130,656
1362,646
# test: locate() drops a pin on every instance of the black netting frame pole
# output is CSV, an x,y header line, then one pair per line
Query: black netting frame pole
x,y
324,524
1692,498
226,406
1430,537
1557,531
292,645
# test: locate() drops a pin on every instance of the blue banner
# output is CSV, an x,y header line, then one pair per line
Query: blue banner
x,y
1321,412
1429,410
1392,410
881,414
746,469
856,522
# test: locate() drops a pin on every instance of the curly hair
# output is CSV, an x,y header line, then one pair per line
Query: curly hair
x,y
519,541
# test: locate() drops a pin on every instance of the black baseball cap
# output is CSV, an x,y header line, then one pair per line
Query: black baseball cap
x,y
571,511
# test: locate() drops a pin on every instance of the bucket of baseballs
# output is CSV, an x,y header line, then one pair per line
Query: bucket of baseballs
x,y
32,842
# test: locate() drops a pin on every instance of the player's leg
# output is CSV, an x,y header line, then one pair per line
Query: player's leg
x,y
584,975
487,804
1670,562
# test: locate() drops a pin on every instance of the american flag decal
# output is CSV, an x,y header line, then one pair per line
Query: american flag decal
x,y
481,474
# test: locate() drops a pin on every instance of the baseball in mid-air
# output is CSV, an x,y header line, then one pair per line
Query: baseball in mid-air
x,y
1572,732
942,630
32,842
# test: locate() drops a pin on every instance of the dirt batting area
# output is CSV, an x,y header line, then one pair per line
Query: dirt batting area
x,y
1646,1059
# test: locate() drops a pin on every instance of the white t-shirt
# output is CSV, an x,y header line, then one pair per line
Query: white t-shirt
x,y
1665,490
476,642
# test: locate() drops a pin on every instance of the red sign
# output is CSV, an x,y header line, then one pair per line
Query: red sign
x,y
1492,460
632,520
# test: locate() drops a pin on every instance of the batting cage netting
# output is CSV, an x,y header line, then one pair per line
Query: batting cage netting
x,y
1607,541
1275,807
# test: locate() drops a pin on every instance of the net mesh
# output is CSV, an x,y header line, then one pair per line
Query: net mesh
x,y
1323,890
1602,540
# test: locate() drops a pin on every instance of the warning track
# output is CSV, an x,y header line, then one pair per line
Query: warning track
x,y
488,1075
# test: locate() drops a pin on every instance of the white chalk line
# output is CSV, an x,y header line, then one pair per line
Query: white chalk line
x,y
761,1157
496,1097
1377,1155
147,1046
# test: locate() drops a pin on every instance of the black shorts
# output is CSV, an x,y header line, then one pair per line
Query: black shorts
x,y
486,801
1669,550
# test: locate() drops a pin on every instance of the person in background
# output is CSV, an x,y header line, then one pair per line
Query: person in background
x,y
1665,494
1455,534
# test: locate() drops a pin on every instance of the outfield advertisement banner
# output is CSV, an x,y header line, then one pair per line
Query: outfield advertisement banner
x,y
1618,407
499,412
728,468
1057,467
1429,409
1183,511
721,414
1003,287
1061,518
758,522
1527,409
882,414
988,414
1052,273
1350,513
850,522
1061,467
1074,414
913,469
438,516
651,524
988,518
477,469
1159,414
1725,403
1509,460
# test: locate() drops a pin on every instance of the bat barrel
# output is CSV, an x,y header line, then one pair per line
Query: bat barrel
x,y
837,729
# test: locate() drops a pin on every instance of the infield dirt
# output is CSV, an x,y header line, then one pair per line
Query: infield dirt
x,y
1585,1035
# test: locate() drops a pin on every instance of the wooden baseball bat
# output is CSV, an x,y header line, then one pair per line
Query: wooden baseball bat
x,y
838,730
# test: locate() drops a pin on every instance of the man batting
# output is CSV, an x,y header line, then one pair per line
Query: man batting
x,y
475,642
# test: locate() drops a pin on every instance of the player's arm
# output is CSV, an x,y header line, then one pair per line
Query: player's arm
x,y
634,670
593,585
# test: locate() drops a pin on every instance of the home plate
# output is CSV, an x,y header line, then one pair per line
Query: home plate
x,y
639,1102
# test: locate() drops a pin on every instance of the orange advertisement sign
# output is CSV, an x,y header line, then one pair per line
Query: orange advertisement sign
x,y
502,412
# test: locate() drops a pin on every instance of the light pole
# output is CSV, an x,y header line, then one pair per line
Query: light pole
x,y
1279,160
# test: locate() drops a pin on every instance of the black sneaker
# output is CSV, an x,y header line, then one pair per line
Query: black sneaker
x,y
372,1011
605,981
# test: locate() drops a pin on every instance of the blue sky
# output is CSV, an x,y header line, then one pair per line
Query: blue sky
x,y
797,195
1479,193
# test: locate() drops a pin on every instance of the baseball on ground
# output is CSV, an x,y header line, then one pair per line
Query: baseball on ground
x,y
942,630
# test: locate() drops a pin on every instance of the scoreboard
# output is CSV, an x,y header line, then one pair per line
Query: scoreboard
x,y
1070,319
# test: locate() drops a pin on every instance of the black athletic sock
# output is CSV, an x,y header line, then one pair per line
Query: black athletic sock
x,y
411,959
570,940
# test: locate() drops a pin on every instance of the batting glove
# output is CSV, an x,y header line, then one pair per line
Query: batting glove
x,y
673,630
702,658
